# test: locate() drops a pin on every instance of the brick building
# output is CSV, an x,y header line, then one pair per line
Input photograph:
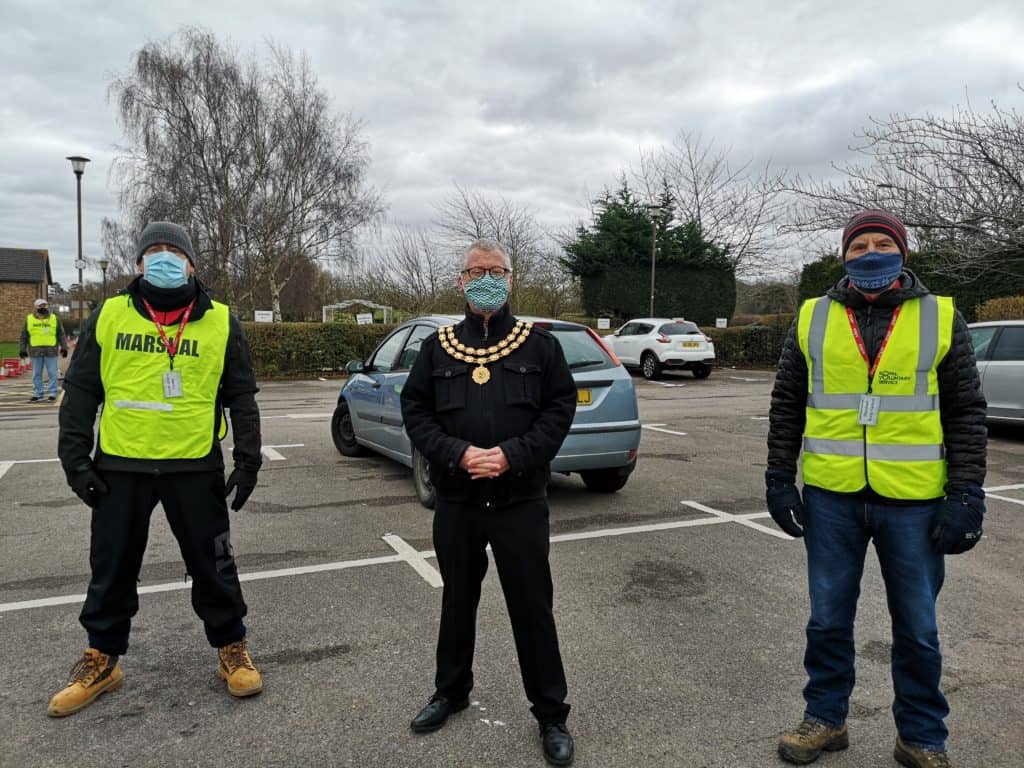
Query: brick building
x,y
24,277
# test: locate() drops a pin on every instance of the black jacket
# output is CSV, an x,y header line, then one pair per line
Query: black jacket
x,y
961,403
526,409
83,394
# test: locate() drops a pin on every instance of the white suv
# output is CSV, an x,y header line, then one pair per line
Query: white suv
x,y
654,343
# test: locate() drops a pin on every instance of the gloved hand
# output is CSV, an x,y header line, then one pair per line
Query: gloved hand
x,y
784,502
245,482
88,486
64,353
23,355
958,522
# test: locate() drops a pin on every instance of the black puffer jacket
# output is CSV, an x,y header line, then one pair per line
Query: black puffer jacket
x,y
84,393
961,403
526,409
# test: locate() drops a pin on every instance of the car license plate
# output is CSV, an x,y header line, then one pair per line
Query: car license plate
x,y
690,344
584,397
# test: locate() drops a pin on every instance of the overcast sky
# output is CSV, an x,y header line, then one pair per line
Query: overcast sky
x,y
540,102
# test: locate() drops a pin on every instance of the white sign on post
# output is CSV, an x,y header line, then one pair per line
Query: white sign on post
x,y
604,323
263,316
364,318
721,322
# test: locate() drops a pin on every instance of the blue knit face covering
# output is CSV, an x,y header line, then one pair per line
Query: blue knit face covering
x,y
488,294
875,271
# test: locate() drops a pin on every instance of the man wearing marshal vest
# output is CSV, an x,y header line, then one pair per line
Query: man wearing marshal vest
x,y
488,403
160,361
878,386
41,337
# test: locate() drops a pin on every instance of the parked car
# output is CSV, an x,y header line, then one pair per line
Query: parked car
x,y
999,347
653,344
602,443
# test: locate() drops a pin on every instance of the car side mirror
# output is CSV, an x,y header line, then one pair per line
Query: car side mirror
x,y
355,366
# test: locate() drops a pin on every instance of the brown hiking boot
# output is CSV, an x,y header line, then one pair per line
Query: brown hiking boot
x,y
91,675
237,669
916,757
805,743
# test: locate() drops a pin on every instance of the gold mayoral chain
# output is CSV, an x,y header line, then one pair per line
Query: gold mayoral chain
x,y
483,356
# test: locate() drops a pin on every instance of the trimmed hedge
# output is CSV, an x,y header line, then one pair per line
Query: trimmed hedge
x,y
1008,308
750,344
303,349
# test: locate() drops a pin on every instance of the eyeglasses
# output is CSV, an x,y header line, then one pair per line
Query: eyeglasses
x,y
474,273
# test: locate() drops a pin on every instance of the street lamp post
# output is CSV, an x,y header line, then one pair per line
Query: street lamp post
x,y
654,210
78,166
104,263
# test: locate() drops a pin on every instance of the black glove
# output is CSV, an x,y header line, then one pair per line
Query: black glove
x,y
958,521
63,353
245,482
23,355
88,486
784,502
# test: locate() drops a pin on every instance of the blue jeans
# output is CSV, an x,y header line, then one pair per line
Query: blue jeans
x,y
38,363
836,532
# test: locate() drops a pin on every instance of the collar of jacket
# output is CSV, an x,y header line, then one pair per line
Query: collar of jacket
x,y
164,300
910,287
499,325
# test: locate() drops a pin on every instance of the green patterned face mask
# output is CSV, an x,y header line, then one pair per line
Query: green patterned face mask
x,y
487,293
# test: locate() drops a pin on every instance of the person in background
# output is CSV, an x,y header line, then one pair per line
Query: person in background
x,y
41,338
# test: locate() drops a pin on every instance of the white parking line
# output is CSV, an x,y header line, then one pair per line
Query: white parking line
x,y
740,378
658,428
1017,487
300,416
416,559
4,466
270,452
741,519
1005,498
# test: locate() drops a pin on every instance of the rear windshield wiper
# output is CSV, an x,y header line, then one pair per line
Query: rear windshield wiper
x,y
585,363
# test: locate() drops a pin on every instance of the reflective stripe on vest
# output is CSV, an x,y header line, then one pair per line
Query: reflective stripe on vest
x,y
138,422
42,332
903,455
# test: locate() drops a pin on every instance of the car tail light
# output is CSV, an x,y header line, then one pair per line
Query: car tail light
x,y
632,453
663,339
607,350
707,338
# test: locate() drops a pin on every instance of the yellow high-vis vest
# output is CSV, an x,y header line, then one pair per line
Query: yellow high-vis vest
x,y
42,332
138,421
902,455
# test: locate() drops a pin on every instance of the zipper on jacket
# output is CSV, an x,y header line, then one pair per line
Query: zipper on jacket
x,y
867,480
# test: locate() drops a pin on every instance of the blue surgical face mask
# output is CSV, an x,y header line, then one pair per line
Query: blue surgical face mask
x,y
164,269
875,271
488,294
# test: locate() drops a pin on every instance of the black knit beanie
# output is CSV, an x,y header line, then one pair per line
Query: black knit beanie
x,y
165,233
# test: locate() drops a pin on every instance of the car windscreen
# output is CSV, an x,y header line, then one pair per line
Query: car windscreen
x,y
679,329
582,351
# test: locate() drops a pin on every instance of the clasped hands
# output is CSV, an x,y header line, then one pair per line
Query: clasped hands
x,y
484,462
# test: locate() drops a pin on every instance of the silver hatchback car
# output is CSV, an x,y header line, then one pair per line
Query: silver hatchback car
x,y
999,347
602,443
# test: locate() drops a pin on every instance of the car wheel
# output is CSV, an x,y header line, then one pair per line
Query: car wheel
x,y
603,481
343,433
702,373
649,366
421,479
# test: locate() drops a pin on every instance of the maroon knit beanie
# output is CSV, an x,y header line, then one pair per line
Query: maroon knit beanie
x,y
876,221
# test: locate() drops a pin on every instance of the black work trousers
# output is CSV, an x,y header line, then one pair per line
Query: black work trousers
x,y
198,515
518,535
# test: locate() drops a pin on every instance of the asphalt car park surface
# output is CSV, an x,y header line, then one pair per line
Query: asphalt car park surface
x,y
680,610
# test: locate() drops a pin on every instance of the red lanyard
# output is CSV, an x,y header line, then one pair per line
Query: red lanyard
x,y
860,341
172,348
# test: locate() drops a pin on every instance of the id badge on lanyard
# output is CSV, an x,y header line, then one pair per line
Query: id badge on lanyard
x,y
171,379
870,405
868,414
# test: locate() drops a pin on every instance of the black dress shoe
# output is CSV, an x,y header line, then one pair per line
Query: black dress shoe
x,y
436,713
557,742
